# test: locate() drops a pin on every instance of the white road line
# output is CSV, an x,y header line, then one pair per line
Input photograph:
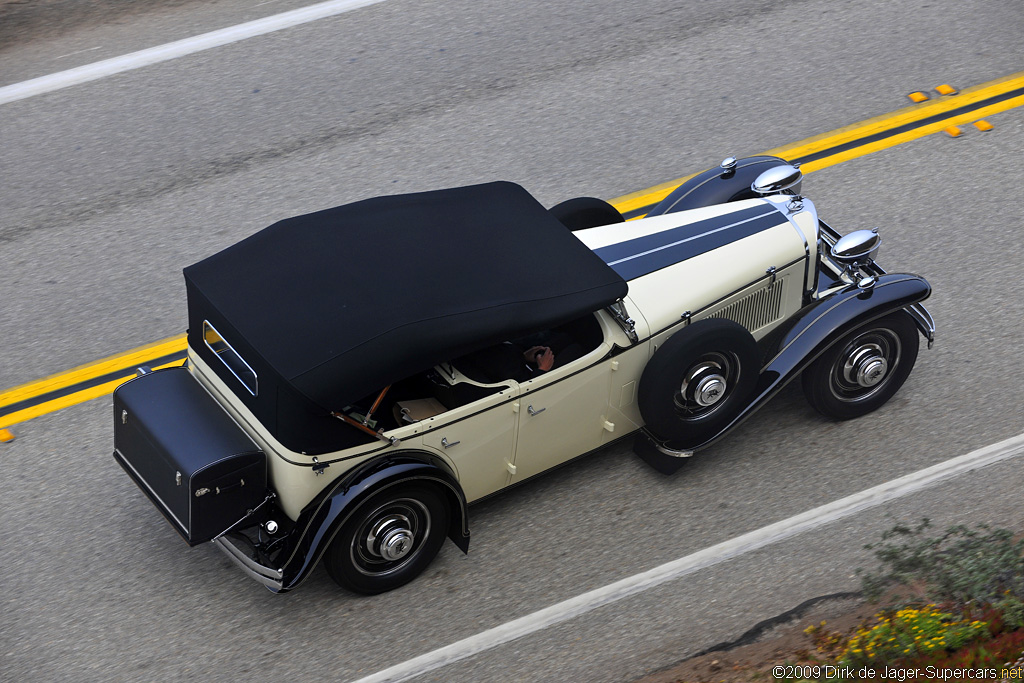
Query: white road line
x,y
78,52
179,48
581,604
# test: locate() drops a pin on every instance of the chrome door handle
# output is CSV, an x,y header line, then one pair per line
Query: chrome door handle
x,y
444,442
531,411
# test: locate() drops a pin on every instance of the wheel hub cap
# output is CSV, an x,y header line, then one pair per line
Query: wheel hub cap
x,y
871,373
866,366
705,384
709,390
391,538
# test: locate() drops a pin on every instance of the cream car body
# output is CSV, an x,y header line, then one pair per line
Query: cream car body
x,y
752,264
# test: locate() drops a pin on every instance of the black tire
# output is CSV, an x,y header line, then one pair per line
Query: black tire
x,y
698,381
357,558
586,212
865,369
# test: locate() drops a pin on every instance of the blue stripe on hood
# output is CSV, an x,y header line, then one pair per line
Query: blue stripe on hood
x,y
642,255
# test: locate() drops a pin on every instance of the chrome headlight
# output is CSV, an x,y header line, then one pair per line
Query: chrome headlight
x,y
857,248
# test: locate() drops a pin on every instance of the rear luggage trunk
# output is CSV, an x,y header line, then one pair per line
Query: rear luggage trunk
x,y
198,467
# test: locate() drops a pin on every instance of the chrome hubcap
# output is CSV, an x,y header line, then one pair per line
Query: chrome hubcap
x,y
705,384
710,390
866,365
872,373
390,538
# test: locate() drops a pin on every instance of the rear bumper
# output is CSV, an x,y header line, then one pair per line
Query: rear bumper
x,y
271,577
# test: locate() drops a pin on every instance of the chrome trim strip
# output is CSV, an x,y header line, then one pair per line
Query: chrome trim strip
x,y
268,576
924,321
671,452
255,378
800,233
830,234
807,286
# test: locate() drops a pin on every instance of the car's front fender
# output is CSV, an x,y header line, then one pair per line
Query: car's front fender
x,y
808,334
718,185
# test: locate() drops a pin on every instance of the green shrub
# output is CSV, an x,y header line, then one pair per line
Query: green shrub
x,y
1012,610
961,566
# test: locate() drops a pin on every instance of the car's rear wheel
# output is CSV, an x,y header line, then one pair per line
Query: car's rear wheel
x,y
389,540
698,381
861,372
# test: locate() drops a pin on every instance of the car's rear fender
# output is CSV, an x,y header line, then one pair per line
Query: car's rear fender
x,y
324,516
808,334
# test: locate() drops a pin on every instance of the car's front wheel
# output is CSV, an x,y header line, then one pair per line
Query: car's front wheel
x,y
864,370
389,540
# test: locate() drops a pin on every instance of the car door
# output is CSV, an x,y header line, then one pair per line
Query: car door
x,y
478,438
563,413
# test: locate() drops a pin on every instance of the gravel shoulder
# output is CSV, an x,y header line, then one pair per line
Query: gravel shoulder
x,y
777,641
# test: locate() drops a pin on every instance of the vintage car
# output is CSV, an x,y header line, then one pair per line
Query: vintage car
x,y
357,376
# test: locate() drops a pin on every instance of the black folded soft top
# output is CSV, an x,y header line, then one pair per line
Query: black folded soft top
x,y
332,306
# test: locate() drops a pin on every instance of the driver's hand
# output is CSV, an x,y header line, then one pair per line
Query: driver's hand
x,y
542,356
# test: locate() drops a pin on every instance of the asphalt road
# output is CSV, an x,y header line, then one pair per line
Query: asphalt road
x,y
110,188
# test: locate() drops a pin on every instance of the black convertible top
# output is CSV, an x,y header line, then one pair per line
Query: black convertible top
x,y
332,306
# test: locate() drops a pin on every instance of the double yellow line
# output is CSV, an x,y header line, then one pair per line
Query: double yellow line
x,y
85,382
872,135
916,121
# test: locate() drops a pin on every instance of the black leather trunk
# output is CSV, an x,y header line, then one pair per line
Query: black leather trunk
x,y
186,453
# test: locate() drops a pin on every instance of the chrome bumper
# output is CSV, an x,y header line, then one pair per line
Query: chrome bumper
x,y
269,576
924,321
